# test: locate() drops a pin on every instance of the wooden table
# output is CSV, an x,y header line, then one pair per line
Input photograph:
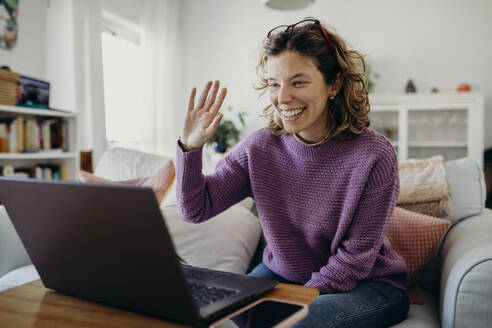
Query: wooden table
x,y
32,305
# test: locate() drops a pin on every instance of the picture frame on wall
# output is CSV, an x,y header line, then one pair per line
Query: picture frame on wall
x,y
9,13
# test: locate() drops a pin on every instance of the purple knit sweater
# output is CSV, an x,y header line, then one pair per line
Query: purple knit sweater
x,y
324,209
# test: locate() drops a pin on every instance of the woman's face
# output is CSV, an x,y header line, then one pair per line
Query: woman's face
x,y
299,94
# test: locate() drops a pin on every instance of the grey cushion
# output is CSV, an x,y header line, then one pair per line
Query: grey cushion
x,y
466,278
12,252
467,185
419,316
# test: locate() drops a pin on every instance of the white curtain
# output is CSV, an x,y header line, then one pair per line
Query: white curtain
x,y
160,19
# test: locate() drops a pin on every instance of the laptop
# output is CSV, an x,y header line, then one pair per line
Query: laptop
x,y
109,244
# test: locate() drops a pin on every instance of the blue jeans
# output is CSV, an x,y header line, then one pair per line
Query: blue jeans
x,y
369,304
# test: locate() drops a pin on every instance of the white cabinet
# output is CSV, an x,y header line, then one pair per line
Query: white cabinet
x,y
65,157
423,125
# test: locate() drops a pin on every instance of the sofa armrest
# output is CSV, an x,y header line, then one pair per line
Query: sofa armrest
x,y
466,276
12,253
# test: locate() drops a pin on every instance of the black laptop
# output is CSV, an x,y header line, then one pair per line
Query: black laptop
x,y
109,244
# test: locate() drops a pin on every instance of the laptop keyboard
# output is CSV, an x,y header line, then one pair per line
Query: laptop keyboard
x,y
200,274
205,294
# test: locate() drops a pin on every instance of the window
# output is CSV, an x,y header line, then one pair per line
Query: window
x,y
123,75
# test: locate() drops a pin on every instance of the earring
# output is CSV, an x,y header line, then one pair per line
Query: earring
x,y
332,97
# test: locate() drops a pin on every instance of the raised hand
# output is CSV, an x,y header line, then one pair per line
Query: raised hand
x,y
202,120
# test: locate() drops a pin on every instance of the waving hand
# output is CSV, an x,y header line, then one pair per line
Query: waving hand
x,y
202,120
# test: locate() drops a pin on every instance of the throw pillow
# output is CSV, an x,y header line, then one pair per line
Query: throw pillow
x,y
437,208
416,238
424,187
160,182
226,242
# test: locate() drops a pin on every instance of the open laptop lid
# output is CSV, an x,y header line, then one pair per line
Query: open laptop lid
x,y
104,243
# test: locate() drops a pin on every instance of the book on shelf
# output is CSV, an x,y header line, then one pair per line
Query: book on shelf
x,y
20,134
39,171
4,141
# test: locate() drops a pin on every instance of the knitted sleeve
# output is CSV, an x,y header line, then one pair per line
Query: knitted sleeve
x,y
356,254
202,197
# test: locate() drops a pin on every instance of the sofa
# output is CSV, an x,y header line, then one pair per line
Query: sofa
x,y
456,285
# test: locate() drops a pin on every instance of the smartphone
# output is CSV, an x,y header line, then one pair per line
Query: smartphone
x,y
266,312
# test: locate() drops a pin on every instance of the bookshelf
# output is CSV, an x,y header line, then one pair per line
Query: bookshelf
x,y
60,155
422,125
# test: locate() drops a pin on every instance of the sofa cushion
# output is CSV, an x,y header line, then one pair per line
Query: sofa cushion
x,y
466,285
416,238
19,276
467,186
226,242
12,253
426,315
125,164
159,181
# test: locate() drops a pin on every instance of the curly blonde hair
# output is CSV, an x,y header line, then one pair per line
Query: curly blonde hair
x,y
349,109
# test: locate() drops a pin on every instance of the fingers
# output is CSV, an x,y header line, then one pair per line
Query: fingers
x,y
191,103
215,124
211,98
219,102
204,94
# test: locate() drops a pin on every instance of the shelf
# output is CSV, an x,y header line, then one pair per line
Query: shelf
x,y
446,144
455,144
26,111
40,155
441,99
383,108
421,125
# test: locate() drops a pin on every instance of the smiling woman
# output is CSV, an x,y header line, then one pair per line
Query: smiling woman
x,y
313,60
299,94
325,185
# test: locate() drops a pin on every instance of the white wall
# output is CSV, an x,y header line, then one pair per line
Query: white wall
x,y
128,9
438,43
73,64
28,56
60,56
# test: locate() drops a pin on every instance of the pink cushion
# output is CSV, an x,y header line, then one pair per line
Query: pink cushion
x,y
416,237
161,181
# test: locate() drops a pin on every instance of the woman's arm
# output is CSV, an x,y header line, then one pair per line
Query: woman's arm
x,y
201,197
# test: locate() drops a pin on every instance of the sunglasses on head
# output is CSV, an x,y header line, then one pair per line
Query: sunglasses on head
x,y
286,28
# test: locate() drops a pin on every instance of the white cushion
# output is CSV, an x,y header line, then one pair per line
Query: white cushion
x,y
226,242
125,164
12,253
19,276
467,186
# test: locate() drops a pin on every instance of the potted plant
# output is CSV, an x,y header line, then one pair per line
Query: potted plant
x,y
227,134
370,76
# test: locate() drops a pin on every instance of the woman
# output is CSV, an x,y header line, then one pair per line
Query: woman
x,y
325,185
